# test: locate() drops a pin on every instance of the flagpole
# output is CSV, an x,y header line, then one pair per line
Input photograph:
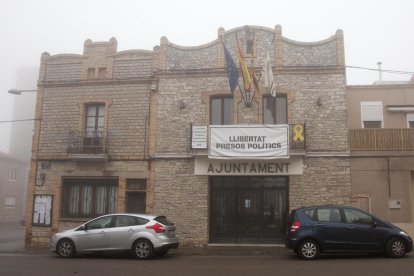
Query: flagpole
x,y
243,92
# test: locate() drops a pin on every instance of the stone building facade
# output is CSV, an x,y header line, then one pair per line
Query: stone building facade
x,y
115,135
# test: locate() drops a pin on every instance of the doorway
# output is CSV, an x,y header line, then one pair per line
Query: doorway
x,y
248,209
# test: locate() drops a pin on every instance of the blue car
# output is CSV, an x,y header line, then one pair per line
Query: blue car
x,y
312,231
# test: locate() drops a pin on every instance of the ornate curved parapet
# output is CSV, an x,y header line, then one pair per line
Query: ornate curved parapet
x,y
284,52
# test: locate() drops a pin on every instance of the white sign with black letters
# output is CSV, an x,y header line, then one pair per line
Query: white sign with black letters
x,y
206,166
249,142
199,137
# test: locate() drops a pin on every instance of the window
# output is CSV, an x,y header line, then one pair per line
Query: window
x,y
310,213
105,222
13,172
221,112
91,73
136,195
10,203
94,132
275,109
410,120
357,217
371,115
102,73
89,197
249,46
328,215
95,117
122,221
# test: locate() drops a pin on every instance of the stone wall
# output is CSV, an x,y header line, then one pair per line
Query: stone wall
x,y
325,180
126,121
183,198
63,68
133,64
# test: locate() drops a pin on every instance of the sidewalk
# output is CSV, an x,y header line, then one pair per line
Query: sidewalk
x,y
234,250
12,242
11,236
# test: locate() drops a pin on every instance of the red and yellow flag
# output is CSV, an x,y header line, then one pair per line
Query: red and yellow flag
x,y
245,71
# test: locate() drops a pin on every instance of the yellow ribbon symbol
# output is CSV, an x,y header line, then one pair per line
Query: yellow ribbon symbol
x,y
298,131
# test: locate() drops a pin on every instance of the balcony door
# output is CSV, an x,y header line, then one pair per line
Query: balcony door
x,y
94,127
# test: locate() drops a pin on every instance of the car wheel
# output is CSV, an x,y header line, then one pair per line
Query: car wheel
x,y
143,249
65,249
396,248
308,250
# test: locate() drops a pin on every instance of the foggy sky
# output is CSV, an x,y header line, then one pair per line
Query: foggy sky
x,y
373,31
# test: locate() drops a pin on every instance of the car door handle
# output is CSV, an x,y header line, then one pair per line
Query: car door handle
x,y
320,225
350,227
102,232
130,230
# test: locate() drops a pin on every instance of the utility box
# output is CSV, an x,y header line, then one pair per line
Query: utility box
x,y
394,204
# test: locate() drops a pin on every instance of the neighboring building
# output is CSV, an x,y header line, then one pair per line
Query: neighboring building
x,y
24,109
139,131
23,124
381,122
12,189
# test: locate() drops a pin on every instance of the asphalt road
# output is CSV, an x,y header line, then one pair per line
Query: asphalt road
x,y
200,265
17,260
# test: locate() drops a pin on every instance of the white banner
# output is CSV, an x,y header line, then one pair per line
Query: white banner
x,y
205,166
249,142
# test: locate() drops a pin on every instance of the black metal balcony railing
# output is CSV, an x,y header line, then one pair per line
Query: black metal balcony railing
x,y
88,142
381,139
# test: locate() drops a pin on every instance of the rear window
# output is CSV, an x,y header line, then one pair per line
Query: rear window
x,y
290,218
163,220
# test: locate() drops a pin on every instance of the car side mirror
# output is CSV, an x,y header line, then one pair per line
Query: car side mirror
x,y
375,224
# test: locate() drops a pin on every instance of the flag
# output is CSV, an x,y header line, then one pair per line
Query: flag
x,y
232,72
253,73
268,75
245,71
255,80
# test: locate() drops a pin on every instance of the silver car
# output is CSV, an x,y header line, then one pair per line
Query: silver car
x,y
143,235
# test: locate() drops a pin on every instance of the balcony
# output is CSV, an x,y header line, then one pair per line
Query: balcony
x,y
381,139
87,145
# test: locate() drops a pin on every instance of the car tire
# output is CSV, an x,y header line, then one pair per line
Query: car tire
x,y
308,250
65,248
143,249
396,248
